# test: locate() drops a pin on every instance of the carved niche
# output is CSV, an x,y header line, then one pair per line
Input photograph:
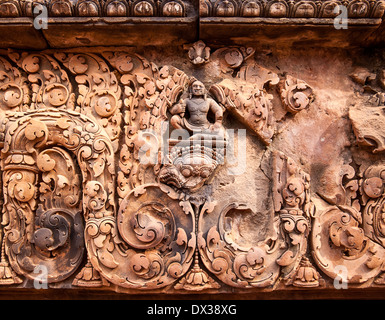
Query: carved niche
x,y
120,174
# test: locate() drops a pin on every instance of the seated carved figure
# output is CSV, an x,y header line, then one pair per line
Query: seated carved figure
x,y
198,105
193,159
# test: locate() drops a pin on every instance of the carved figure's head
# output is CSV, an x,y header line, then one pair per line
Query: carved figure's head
x,y
190,167
197,88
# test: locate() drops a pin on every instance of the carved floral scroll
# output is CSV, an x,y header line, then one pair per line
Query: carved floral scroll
x,y
116,174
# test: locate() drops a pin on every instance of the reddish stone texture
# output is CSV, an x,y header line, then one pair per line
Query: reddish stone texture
x,y
145,151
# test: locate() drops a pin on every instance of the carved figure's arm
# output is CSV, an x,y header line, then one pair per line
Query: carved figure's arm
x,y
178,108
217,110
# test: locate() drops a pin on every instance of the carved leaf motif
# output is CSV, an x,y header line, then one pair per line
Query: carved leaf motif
x,y
182,237
98,166
148,92
35,130
250,265
95,196
291,196
107,259
14,91
261,77
147,229
45,162
250,105
51,86
100,94
213,238
199,53
187,208
296,94
230,58
287,258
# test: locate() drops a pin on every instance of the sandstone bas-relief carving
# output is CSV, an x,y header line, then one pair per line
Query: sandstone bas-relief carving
x,y
95,8
117,173
207,8
283,9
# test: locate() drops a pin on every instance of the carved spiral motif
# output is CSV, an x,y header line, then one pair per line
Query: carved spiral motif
x,y
145,224
105,103
95,195
57,94
157,233
54,229
11,95
338,240
296,94
21,190
373,187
